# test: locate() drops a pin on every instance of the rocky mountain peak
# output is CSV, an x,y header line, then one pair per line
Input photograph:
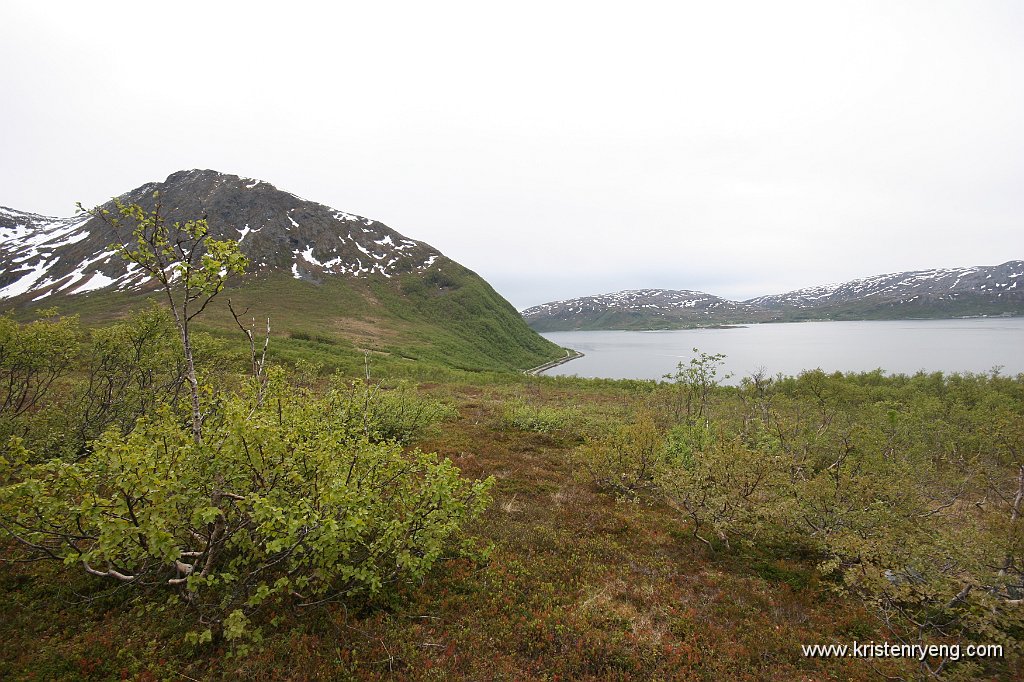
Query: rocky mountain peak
x,y
279,232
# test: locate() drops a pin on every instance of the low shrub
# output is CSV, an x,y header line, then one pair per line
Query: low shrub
x,y
399,414
521,415
278,503
629,459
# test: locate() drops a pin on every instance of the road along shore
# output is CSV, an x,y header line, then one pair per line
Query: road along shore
x,y
569,355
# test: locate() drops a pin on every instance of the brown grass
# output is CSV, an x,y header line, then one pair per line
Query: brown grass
x,y
579,587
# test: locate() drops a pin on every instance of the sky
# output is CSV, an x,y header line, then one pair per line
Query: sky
x,y
557,149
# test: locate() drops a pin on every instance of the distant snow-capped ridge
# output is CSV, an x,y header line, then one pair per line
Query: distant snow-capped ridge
x,y
634,299
995,279
941,292
41,256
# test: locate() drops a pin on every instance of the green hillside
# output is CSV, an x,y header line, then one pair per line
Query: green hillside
x,y
410,324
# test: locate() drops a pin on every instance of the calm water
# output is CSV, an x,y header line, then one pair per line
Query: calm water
x,y
975,345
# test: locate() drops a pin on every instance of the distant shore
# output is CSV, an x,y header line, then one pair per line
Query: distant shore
x,y
569,355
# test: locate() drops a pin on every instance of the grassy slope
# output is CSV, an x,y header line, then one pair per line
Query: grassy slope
x,y
579,587
450,319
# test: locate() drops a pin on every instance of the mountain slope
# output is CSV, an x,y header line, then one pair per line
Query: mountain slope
x,y
635,309
319,273
280,232
941,292
938,293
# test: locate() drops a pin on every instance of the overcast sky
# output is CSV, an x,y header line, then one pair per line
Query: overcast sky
x,y
557,149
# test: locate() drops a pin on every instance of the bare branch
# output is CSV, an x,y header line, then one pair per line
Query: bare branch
x,y
109,573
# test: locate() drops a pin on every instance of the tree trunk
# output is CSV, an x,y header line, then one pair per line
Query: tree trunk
x,y
1018,500
193,382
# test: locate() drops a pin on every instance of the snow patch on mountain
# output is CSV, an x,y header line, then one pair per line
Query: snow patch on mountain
x,y
904,286
40,255
940,292
657,302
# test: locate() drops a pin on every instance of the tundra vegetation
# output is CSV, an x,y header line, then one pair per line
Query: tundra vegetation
x,y
180,503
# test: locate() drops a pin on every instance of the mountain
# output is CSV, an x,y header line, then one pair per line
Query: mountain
x,y
636,309
938,293
279,231
323,275
942,292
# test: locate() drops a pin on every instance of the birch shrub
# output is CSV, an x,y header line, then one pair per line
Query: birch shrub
x,y
399,413
629,459
279,503
35,358
723,487
518,414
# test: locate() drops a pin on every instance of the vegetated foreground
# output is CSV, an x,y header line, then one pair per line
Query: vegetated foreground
x,y
175,505
637,531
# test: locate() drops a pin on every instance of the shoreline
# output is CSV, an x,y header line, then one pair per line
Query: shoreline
x,y
569,355
750,323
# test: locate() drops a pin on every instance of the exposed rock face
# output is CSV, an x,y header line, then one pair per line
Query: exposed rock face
x,y
41,256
